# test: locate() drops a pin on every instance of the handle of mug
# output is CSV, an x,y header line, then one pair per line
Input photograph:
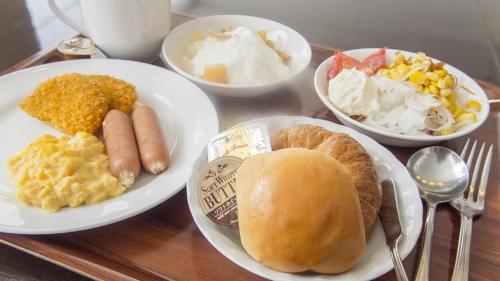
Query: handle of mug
x,y
60,14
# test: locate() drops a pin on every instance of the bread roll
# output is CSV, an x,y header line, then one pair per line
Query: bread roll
x,y
298,210
349,153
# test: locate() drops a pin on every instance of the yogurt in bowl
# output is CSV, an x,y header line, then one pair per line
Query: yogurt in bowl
x,y
255,56
237,57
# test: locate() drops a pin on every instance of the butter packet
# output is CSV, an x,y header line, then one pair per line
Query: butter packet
x,y
77,48
216,190
241,142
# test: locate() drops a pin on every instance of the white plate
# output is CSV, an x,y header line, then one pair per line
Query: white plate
x,y
174,99
176,42
321,85
377,259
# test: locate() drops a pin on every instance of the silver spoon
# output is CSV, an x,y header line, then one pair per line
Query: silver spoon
x,y
441,175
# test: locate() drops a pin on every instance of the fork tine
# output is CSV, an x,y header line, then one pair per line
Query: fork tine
x,y
484,177
468,159
477,165
464,150
471,155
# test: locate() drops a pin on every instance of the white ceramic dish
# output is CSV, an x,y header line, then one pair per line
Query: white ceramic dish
x,y
173,98
321,85
174,48
376,260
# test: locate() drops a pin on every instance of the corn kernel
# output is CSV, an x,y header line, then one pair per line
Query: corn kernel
x,y
400,58
438,65
452,107
445,102
434,90
452,97
416,65
457,111
441,72
446,131
420,89
391,65
403,68
420,56
467,116
445,92
417,77
399,76
441,84
432,76
450,81
426,90
474,105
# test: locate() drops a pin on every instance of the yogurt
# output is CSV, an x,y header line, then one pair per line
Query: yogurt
x,y
247,58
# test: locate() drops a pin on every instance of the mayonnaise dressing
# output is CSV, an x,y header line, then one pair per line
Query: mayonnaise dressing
x,y
354,93
386,104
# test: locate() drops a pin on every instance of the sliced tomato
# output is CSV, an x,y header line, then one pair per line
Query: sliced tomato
x,y
370,65
368,71
350,62
336,65
375,61
341,61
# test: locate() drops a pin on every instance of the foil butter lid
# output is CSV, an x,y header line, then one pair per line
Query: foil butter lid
x,y
77,46
241,142
216,190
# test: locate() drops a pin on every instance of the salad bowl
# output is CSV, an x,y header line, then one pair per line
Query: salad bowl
x,y
391,138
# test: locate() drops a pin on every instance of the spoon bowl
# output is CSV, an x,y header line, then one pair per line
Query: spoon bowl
x,y
441,175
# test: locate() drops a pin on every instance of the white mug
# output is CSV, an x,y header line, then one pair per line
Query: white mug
x,y
124,29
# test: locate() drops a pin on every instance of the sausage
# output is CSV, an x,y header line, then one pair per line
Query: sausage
x,y
152,148
121,147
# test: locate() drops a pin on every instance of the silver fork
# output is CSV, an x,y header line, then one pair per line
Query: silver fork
x,y
468,207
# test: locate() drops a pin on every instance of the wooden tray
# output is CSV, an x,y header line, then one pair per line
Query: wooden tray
x,y
165,244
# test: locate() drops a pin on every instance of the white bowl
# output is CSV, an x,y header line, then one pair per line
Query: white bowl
x,y
321,85
174,48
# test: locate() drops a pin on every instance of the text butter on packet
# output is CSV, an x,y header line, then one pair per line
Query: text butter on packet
x,y
216,190
217,182
241,142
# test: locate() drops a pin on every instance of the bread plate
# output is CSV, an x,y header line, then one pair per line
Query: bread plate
x,y
172,97
376,260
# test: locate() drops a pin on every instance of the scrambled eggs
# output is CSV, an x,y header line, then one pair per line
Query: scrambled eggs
x,y
52,173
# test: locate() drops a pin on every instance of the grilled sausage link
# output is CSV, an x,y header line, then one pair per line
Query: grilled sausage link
x,y
121,147
150,140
